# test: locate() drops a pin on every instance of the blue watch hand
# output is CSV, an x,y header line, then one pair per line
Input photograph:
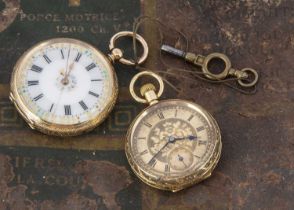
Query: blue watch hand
x,y
187,137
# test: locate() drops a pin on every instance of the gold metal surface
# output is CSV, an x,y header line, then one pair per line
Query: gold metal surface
x,y
186,178
34,121
74,3
146,88
204,61
145,73
249,71
117,54
189,179
148,91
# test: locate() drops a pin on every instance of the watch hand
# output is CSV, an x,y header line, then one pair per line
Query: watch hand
x,y
58,101
71,66
182,160
170,140
184,138
161,149
64,80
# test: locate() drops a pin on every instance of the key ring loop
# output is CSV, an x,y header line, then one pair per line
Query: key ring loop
x,y
116,54
254,81
221,75
145,73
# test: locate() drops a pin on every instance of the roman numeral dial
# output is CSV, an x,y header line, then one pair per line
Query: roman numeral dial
x,y
78,57
67,109
47,59
66,82
33,82
91,66
62,53
83,105
171,139
36,69
38,97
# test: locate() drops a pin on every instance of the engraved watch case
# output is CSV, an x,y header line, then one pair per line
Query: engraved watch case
x,y
172,144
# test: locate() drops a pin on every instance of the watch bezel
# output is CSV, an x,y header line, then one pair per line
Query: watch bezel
x,y
55,129
175,184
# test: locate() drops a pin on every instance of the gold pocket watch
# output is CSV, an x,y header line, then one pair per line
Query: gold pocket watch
x,y
172,144
65,86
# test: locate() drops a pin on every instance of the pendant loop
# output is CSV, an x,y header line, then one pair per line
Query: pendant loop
x,y
116,54
145,73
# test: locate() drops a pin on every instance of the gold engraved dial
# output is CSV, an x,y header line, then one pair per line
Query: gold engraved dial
x,y
173,144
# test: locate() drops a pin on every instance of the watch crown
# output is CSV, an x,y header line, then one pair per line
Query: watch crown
x,y
148,91
146,88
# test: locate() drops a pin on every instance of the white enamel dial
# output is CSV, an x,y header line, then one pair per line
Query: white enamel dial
x,y
65,82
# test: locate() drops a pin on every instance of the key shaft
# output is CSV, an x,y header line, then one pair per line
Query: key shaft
x,y
190,57
173,51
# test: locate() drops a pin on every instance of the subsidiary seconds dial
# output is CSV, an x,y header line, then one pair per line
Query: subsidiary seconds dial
x,y
63,87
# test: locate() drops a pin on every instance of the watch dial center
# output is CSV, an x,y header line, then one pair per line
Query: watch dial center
x,y
68,83
65,81
169,130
